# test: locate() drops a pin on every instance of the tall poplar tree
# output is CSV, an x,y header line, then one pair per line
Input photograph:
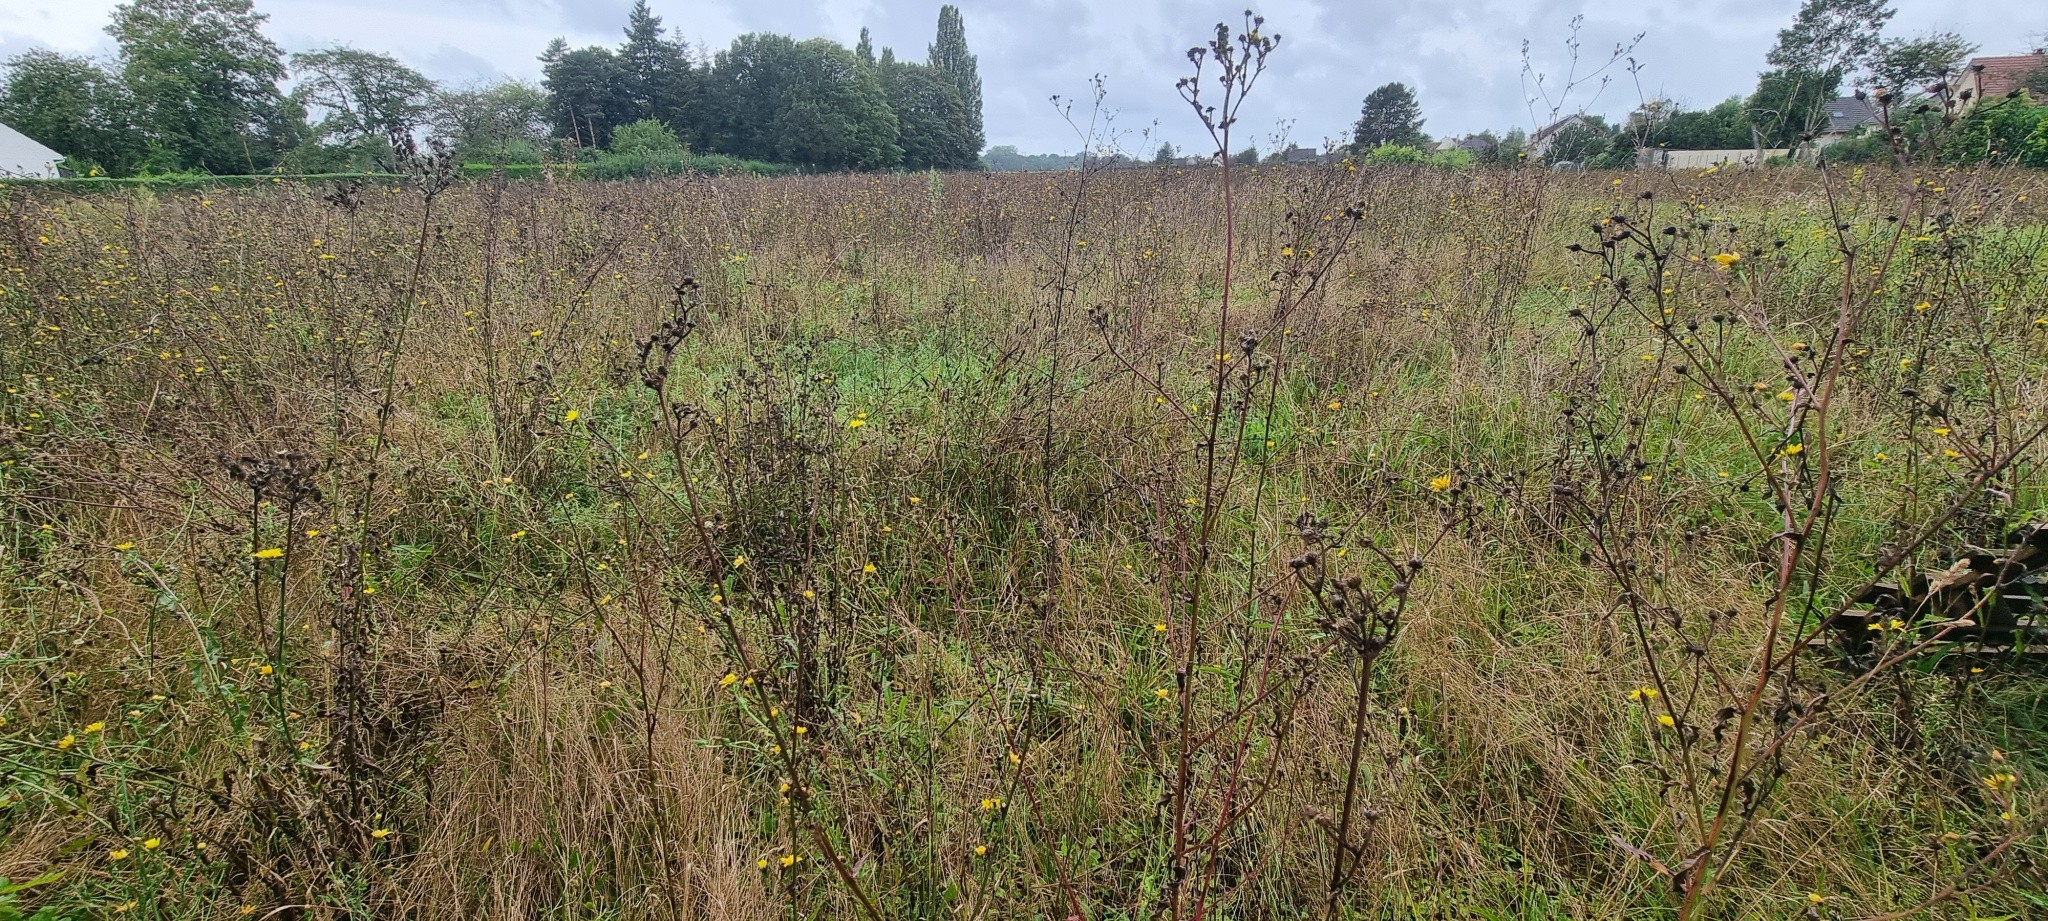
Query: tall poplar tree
x,y
950,57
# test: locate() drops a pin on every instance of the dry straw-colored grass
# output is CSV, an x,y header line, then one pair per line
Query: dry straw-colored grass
x,y
530,703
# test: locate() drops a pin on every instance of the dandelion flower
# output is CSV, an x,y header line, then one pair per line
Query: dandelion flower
x,y
739,561
1440,483
1665,720
125,545
1163,693
1727,259
119,853
95,727
381,833
269,553
570,416
152,844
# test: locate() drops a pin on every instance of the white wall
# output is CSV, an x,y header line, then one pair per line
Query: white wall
x,y
1650,158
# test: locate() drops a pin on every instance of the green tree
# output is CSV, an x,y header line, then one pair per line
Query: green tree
x,y
586,93
949,56
1165,155
1390,116
1790,105
1997,131
1831,36
655,77
865,50
931,119
203,78
646,137
363,98
1580,142
73,106
812,103
1909,66
1246,157
502,122
1723,127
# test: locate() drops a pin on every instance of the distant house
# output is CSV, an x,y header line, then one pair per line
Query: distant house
x,y
22,158
1295,155
1991,78
1845,115
1539,143
1472,142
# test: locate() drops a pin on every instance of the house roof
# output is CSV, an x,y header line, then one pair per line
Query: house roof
x,y
1546,131
21,155
1997,76
1848,113
1300,155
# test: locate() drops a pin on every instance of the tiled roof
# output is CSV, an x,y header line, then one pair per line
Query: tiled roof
x,y
2001,75
1848,113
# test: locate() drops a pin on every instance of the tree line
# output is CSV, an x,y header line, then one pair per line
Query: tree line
x,y
1830,45
196,86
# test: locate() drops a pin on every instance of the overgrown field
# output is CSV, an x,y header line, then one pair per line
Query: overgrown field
x,y
970,546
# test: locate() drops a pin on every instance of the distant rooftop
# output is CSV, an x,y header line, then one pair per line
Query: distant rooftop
x,y
1997,76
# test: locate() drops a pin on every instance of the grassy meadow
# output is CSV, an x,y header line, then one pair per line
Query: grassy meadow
x,y
1363,543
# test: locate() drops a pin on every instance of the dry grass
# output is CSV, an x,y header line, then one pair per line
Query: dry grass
x,y
504,648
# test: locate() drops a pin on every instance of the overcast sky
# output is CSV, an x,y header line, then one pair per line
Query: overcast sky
x,y
1463,57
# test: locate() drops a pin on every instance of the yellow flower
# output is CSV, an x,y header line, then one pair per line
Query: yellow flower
x,y
64,744
1163,693
981,850
789,860
762,863
570,416
152,844
1816,898
125,545
915,500
270,553
1794,448
119,853
739,561
267,669
729,680
1159,628
1923,305
855,423
1728,259
94,727
869,569
1664,719
381,834
1336,405
1440,483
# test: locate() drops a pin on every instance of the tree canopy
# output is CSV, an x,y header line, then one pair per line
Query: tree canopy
x,y
1390,116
